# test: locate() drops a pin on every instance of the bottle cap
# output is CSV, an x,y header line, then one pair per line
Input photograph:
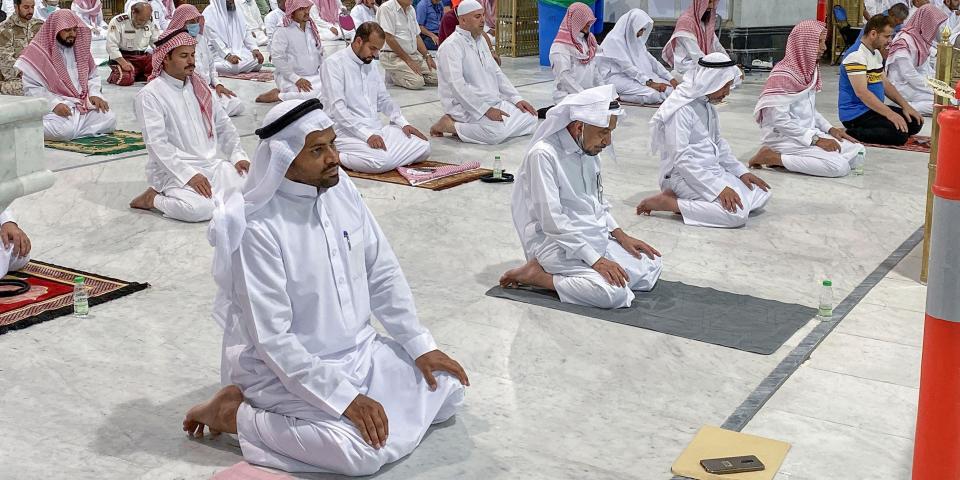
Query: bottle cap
x,y
497,157
78,280
827,283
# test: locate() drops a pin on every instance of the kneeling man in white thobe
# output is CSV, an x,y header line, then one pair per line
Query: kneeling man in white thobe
x,y
312,386
185,131
700,178
571,241
479,102
355,95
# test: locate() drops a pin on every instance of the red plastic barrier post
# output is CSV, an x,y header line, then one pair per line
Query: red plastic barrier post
x,y
936,454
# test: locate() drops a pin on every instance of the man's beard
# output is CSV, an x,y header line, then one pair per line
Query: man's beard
x,y
706,16
65,43
368,60
231,6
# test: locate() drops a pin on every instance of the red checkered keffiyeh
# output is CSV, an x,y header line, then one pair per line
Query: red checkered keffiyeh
x,y
689,25
89,8
43,54
293,6
922,30
183,14
578,16
800,67
200,89
329,10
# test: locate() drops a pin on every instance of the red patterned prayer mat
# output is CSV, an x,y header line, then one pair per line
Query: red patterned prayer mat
x,y
916,143
51,294
444,183
252,76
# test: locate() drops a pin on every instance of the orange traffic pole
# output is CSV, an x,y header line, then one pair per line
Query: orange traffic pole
x,y
936,453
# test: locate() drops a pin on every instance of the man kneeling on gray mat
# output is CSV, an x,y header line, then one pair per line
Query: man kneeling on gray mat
x,y
572,243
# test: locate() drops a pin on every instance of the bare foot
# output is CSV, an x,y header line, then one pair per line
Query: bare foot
x,y
531,273
273,96
444,125
766,157
219,413
665,201
144,201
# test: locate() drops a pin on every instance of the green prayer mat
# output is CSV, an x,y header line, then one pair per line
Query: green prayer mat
x,y
120,141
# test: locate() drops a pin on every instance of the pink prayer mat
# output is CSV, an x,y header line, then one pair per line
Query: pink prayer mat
x,y
260,76
245,471
417,175
916,143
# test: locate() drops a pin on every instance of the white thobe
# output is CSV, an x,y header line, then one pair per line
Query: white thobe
x,y
470,83
686,54
159,14
178,148
570,75
362,14
93,23
697,164
354,96
77,124
630,80
789,129
271,23
909,79
8,8
295,54
221,47
8,261
253,20
330,41
953,23
564,223
300,344
206,68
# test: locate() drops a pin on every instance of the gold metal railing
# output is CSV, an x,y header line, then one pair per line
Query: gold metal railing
x,y
517,28
948,70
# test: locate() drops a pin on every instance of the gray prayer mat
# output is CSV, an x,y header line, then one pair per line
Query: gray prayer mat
x,y
707,315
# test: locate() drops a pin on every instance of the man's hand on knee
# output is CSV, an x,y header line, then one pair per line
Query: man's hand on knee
x,y
612,272
11,234
201,185
368,415
437,361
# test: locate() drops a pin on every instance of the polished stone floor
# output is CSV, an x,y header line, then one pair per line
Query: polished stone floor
x,y
554,395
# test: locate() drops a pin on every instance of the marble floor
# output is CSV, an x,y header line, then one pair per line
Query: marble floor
x,y
553,395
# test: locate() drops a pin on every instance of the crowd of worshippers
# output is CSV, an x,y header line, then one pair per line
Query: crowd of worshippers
x,y
310,384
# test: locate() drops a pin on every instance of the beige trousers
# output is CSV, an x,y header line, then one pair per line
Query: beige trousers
x,y
402,76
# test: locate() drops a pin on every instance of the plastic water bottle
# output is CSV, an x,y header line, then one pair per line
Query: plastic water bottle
x,y
81,303
497,168
826,301
858,163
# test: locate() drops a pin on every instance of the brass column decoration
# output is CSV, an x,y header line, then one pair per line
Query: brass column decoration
x,y
944,72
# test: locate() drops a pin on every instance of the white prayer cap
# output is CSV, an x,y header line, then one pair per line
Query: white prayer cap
x,y
282,136
712,73
593,106
467,6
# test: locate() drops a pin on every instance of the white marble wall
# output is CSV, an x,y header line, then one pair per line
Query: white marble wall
x,y
22,170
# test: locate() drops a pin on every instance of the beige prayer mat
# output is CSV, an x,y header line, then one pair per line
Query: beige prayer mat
x,y
715,442
444,183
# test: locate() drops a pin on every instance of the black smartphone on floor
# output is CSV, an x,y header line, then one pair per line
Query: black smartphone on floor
x,y
721,466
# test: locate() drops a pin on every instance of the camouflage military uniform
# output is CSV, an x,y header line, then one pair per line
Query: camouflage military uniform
x,y
15,34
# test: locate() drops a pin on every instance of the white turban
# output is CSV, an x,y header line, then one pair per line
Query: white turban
x,y
467,6
697,83
591,106
270,163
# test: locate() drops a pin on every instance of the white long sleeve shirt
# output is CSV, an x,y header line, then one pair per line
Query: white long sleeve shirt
x,y
687,53
176,135
795,123
908,78
6,216
470,81
34,86
362,14
251,16
557,201
271,23
91,23
294,53
313,267
354,95
570,75
695,151
205,63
